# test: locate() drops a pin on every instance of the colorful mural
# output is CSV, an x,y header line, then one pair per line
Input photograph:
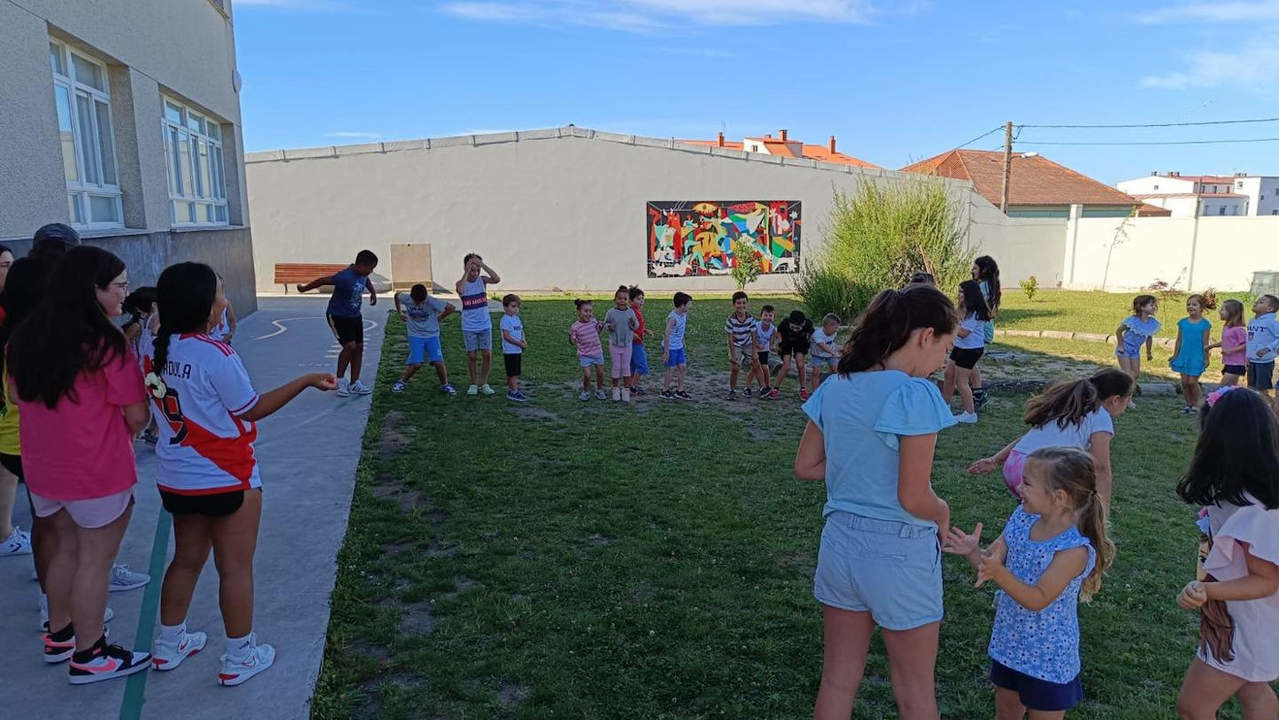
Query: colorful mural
x,y
696,238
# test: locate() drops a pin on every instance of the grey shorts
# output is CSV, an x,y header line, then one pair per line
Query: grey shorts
x,y
478,340
743,355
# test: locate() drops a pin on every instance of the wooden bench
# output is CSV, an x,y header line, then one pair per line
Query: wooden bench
x,y
287,274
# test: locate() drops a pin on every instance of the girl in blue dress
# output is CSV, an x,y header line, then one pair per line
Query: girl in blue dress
x,y
1190,357
1051,554
1136,330
871,433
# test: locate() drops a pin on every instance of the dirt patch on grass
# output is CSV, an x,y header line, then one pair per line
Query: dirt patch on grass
x,y
511,695
598,539
436,550
801,562
381,653
643,592
397,548
394,436
416,619
534,413
407,500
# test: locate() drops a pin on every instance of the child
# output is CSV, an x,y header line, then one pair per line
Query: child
x,y
674,357
870,436
1138,328
513,345
345,319
1263,342
621,324
81,399
986,272
796,340
140,304
1051,554
1076,414
1234,343
825,350
584,334
1190,356
208,476
639,356
765,338
422,315
970,344
224,329
477,326
1235,474
740,329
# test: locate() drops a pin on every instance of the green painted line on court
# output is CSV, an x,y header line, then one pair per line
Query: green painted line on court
x,y
135,691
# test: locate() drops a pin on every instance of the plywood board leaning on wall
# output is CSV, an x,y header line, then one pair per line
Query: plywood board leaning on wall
x,y
410,265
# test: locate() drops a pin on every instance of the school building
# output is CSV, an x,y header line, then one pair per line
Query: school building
x,y
122,119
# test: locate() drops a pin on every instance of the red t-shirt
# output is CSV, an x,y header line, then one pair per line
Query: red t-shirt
x,y
83,450
639,331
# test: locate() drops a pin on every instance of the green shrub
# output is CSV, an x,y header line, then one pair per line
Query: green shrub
x,y
745,264
880,235
1030,286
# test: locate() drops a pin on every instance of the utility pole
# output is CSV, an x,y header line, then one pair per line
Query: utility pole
x,y
1008,165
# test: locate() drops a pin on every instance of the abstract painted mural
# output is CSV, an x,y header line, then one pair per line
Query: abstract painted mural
x,y
693,238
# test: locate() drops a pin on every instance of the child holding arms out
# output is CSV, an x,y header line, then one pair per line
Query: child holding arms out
x,y
1234,343
1076,414
620,323
1190,357
584,334
1263,342
674,356
513,345
824,354
1235,474
345,318
639,355
1136,330
422,315
765,339
970,344
1052,553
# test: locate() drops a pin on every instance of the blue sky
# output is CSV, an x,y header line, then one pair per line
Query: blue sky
x,y
894,81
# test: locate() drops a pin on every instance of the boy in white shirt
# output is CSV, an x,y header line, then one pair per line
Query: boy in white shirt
x,y
513,345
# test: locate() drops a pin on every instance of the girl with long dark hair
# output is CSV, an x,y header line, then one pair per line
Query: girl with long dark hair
x,y
871,435
986,272
81,397
970,345
209,481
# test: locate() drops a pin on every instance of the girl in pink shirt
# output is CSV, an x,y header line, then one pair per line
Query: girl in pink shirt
x,y
1234,343
80,392
584,334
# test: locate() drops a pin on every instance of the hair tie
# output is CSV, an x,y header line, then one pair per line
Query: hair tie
x,y
156,385
1217,394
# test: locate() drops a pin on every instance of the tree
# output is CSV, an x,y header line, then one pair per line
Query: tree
x,y
745,263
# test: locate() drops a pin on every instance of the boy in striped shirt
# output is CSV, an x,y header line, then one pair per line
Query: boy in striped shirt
x,y
740,329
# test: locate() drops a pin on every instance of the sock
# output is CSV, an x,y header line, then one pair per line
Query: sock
x,y
44,605
64,634
237,648
172,633
83,656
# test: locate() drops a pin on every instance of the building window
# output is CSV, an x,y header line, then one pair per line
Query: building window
x,y
83,103
193,153
1221,210
1274,212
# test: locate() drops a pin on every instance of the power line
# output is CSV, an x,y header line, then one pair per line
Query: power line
x,y
1166,142
995,129
1158,125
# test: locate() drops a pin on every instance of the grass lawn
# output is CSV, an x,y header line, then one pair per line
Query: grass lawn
x,y
588,560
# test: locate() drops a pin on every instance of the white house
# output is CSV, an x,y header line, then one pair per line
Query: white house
x,y
1207,195
1262,192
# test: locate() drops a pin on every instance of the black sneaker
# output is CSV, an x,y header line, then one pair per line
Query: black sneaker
x,y
681,395
667,395
748,392
979,398
106,662
637,390
732,394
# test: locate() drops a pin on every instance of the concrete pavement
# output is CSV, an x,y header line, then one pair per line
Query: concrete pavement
x,y
308,454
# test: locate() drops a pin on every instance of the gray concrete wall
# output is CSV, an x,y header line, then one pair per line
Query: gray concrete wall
x,y
561,208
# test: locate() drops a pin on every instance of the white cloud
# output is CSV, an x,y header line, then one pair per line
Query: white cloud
x,y
642,15
1225,12
349,134
1251,67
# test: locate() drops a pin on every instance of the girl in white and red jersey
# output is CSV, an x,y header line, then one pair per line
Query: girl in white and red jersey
x,y
206,408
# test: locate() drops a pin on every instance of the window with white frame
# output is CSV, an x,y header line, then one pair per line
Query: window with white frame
x,y
193,153
83,102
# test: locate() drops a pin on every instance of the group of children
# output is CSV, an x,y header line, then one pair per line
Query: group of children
x,y
751,343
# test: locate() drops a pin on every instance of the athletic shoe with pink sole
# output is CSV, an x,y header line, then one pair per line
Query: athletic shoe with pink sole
x,y
106,662
236,670
167,656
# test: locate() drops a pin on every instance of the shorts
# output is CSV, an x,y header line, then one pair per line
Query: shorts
x,y
424,347
347,329
13,463
478,340
1013,466
1226,369
589,360
514,362
763,357
966,358
639,359
621,357
213,505
1261,376
787,349
742,355
1037,694
818,361
885,567
1127,350
89,514
676,357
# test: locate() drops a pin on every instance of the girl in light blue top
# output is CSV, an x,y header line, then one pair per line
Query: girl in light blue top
x,y
1136,330
871,434
1051,554
1190,356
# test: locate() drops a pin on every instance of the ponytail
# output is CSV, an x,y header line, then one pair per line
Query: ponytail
x,y
888,322
186,294
1068,403
159,357
1092,524
1071,470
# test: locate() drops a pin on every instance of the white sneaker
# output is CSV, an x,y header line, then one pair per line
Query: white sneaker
x,y
966,417
601,394
237,670
398,387
122,578
487,389
167,656
359,388
626,395
473,390
344,390
617,394
584,396
106,663
18,543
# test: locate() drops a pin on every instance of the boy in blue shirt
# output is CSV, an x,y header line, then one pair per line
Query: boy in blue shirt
x,y
513,345
422,315
1263,344
345,319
